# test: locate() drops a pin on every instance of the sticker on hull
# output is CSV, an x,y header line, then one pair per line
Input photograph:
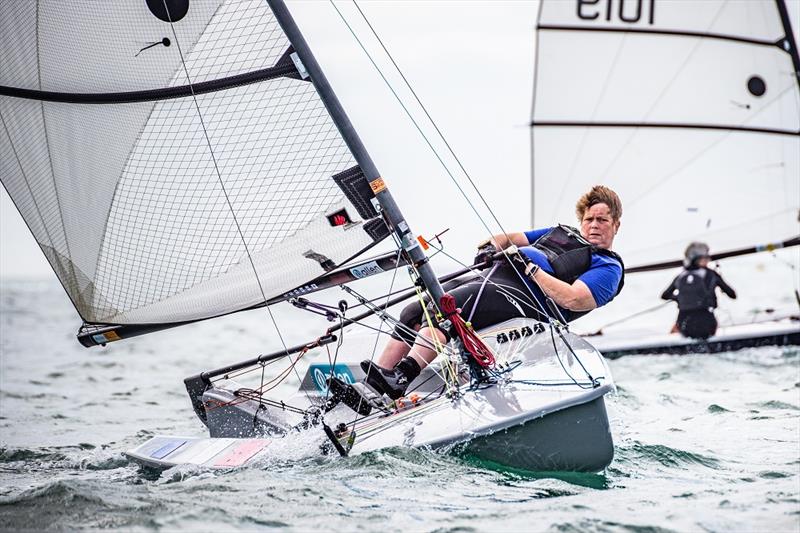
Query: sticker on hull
x,y
320,374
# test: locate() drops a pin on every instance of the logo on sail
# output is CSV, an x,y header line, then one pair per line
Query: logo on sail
x,y
339,218
367,269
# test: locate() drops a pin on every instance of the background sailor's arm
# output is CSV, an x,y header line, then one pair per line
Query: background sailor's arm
x,y
669,292
727,289
575,297
503,240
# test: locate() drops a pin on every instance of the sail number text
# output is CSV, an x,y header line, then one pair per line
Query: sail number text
x,y
628,11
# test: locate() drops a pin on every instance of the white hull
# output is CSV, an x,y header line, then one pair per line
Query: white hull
x,y
543,413
782,331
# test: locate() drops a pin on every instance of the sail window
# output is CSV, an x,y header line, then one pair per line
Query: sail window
x,y
756,86
168,10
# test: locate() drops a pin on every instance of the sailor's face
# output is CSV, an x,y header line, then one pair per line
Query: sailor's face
x,y
598,227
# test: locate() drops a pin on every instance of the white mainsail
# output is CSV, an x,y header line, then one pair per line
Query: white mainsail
x,y
689,110
172,171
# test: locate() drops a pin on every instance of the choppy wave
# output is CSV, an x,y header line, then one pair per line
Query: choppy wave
x,y
580,526
23,455
764,356
67,504
714,408
775,404
638,453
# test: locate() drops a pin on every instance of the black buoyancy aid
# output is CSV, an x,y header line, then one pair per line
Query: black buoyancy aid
x,y
695,291
570,255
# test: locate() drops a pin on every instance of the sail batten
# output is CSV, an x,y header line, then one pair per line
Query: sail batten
x,y
153,94
205,182
762,42
764,247
565,124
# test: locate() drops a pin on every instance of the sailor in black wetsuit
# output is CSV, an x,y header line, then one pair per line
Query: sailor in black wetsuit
x,y
693,289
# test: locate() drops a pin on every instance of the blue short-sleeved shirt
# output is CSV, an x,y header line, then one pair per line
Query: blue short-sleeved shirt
x,y
602,277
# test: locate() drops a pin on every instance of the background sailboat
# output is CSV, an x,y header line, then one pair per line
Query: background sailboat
x,y
692,113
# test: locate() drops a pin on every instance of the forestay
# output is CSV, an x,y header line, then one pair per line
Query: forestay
x,y
164,153
689,110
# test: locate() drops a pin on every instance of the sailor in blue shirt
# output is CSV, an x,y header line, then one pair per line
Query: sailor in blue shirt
x,y
603,277
576,269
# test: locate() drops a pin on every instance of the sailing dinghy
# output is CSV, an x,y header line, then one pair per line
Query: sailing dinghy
x,y
179,161
546,413
690,111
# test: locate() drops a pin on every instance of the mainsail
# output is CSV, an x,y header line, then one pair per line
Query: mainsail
x,y
689,110
172,158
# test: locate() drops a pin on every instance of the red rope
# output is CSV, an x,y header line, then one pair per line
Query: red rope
x,y
472,343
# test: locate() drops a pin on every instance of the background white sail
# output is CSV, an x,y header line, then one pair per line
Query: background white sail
x,y
150,209
689,110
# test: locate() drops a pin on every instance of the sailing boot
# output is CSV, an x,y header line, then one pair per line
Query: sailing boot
x,y
341,392
394,382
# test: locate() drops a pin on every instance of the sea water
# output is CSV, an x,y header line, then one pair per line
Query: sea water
x,y
703,443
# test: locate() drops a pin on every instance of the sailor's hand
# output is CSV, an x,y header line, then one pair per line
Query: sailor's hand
x,y
521,262
485,254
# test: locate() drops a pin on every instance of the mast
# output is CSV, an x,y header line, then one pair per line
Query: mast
x,y
789,44
351,138
533,118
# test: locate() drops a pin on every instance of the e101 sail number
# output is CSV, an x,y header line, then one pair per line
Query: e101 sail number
x,y
628,11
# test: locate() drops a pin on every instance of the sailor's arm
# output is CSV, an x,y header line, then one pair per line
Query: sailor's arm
x,y
669,292
575,297
727,289
504,240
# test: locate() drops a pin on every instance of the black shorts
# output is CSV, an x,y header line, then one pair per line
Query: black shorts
x,y
697,323
504,296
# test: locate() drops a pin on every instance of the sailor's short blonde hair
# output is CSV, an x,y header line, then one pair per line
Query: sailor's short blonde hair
x,y
599,194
